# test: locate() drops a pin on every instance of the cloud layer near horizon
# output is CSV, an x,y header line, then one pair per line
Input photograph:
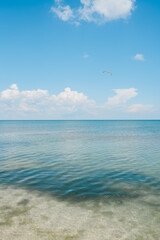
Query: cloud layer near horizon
x,y
39,103
98,11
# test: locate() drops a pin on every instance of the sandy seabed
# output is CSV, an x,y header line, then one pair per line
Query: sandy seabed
x,y
27,215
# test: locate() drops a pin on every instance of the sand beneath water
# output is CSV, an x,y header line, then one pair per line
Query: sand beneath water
x,y
27,215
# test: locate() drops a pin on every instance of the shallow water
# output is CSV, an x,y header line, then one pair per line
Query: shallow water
x,y
80,180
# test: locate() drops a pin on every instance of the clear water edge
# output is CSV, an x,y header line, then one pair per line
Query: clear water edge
x,y
80,179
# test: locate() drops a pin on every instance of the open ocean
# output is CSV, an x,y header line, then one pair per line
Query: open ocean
x,y
80,180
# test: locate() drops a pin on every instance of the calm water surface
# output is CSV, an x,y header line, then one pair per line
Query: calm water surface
x,y
93,173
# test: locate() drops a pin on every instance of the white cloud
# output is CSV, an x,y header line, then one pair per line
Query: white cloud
x,y
140,108
34,94
122,96
39,104
58,1
139,57
11,93
63,12
39,100
69,97
105,10
98,11
85,56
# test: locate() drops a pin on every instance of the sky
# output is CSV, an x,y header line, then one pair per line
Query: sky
x,y
53,54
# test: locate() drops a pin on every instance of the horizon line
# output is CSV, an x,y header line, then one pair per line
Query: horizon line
x,y
79,119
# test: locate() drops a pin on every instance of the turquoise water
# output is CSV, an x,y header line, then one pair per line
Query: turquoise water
x,y
107,170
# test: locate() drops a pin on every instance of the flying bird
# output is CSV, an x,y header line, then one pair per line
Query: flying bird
x,y
107,72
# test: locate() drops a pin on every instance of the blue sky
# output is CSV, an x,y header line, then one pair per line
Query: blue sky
x,y
57,45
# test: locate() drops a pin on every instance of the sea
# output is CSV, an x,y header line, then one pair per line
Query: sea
x,y
80,180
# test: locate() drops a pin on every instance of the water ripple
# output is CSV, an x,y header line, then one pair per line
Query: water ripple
x,y
82,159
